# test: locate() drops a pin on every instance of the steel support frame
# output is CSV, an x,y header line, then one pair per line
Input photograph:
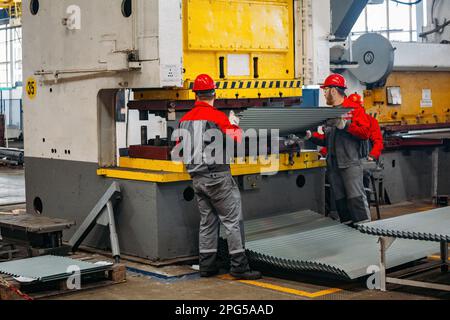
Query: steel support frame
x,y
103,214
385,244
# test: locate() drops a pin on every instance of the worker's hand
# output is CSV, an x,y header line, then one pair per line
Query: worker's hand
x,y
341,123
331,122
370,158
308,135
234,120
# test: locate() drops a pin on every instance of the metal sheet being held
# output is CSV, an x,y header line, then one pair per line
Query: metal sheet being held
x,y
288,120
49,268
308,242
433,225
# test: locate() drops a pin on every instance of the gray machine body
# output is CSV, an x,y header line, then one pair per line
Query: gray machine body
x,y
155,221
408,174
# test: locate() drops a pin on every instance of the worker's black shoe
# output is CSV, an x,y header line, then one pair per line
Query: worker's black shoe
x,y
247,275
207,274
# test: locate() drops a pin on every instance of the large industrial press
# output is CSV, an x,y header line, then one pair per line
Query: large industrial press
x,y
155,49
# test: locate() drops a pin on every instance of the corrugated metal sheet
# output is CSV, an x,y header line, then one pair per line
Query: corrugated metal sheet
x,y
306,241
288,120
433,225
48,268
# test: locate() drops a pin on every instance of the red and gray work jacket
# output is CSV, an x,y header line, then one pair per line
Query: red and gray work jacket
x,y
375,139
345,148
209,132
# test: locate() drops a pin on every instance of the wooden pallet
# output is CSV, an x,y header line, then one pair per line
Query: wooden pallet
x,y
113,275
158,264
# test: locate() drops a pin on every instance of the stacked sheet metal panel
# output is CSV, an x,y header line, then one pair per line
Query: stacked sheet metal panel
x,y
288,120
308,242
49,268
433,225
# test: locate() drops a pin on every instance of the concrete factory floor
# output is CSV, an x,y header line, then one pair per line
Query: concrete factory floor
x,y
181,282
271,287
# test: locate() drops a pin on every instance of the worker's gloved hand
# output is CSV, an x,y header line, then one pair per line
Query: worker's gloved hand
x,y
331,122
308,135
234,120
339,123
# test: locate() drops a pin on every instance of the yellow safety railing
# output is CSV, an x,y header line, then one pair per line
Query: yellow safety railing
x,y
14,8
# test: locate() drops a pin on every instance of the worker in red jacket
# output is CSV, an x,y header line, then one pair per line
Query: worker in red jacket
x,y
375,145
376,137
344,139
216,191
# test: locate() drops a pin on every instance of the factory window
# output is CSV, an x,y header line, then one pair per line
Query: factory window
x,y
396,20
127,8
34,7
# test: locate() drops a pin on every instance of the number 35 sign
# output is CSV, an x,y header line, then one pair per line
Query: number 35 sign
x,y
31,88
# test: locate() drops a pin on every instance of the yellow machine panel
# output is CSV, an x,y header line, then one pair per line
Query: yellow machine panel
x,y
411,98
247,46
238,25
167,171
14,9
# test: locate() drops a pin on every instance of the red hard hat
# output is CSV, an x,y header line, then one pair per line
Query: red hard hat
x,y
204,83
335,80
355,98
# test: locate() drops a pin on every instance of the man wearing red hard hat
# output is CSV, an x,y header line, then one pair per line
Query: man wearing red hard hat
x,y
376,137
344,139
216,191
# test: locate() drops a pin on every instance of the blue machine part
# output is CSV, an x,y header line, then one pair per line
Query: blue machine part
x,y
310,98
4,16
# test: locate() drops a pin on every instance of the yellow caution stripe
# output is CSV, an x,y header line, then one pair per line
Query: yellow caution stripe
x,y
436,258
232,89
255,84
301,293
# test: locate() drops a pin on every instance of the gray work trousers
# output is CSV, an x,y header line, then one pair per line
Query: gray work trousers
x,y
348,188
219,200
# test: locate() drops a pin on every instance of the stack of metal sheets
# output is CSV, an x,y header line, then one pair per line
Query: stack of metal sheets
x,y
288,120
11,156
49,268
433,225
308,242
